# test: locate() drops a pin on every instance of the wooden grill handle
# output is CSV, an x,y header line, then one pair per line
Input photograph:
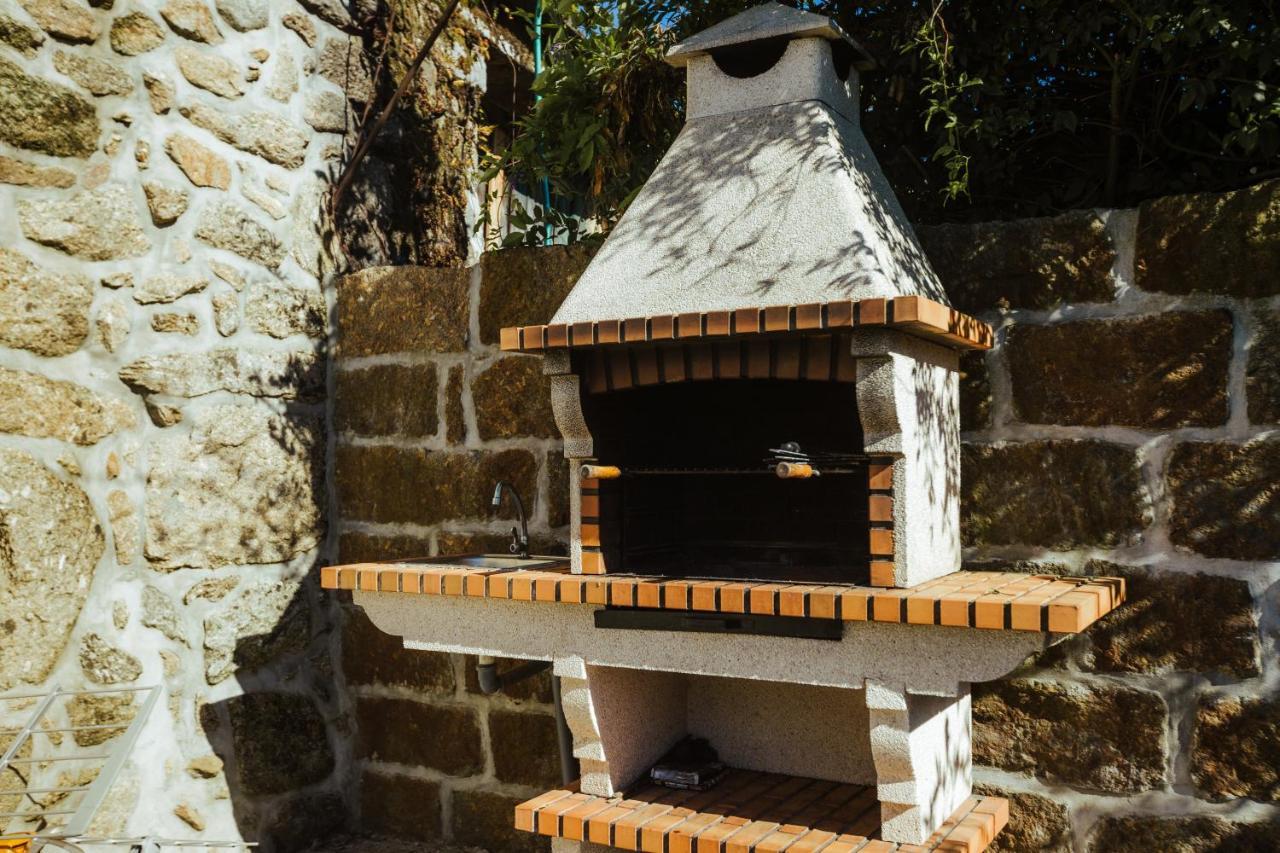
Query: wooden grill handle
x,y
600,472
794,470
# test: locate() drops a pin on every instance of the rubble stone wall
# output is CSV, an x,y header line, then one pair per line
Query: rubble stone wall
x,y
162,384
1126,422
165,299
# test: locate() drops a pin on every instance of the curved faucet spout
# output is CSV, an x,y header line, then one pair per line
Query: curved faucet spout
x,y
519,536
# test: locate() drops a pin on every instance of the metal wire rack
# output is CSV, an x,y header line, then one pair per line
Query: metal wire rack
x,y
56,770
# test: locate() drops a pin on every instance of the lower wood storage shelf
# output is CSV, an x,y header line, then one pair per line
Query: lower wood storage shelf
x,y
749,812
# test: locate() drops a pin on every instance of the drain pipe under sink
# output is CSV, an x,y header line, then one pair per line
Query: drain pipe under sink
x,y
491,682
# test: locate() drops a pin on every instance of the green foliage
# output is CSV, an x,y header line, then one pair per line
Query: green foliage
x,y
604,118
1103,102
943,88
532,226
978,110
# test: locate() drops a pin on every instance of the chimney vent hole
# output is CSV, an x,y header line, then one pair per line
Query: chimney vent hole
x,y
750,60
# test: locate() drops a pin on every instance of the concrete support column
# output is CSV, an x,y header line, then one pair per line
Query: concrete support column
x,y
921,749
566,407
908,405
622,720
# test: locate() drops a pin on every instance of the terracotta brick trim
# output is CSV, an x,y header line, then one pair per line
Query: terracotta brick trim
x,y
747,812
880,517
998,601
915,315
592,552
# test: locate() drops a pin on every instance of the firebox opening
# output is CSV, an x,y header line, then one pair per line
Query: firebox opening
x,y
697,497
749,60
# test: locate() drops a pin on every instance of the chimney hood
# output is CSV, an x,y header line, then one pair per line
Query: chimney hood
x,y
770,194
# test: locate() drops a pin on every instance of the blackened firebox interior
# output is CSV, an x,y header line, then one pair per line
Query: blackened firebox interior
x,y
697,497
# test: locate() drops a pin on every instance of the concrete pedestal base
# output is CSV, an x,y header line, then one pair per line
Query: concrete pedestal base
x,y
923,762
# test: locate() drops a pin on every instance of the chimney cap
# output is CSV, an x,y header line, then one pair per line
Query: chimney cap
x,y
766,21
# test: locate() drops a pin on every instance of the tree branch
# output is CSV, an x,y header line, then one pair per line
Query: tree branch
x,y
367,135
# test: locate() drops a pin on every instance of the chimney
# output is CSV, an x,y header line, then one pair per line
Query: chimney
x,y
770,194
767,56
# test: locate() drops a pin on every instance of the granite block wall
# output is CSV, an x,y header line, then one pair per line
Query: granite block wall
x,y
428,415
1126,422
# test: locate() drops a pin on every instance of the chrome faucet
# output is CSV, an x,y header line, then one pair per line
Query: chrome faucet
x,y
519,536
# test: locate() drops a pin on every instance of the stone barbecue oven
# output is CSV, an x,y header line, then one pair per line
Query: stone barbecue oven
x,y
763,288
756,379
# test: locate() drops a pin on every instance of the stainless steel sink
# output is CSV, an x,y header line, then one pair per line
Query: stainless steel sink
x,y
497,562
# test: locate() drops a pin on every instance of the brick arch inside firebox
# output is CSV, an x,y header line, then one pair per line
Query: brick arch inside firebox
x,y
818,357
697,496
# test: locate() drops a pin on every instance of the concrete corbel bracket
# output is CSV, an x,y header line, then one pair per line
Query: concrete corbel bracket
x,y
580,714
615,733
920,746
566,407
556,362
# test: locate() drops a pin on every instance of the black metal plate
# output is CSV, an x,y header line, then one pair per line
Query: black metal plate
x,y
643,619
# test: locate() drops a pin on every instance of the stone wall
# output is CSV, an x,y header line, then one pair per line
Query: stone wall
x,y
428,415
165,258
1125,423
415,200
162,459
